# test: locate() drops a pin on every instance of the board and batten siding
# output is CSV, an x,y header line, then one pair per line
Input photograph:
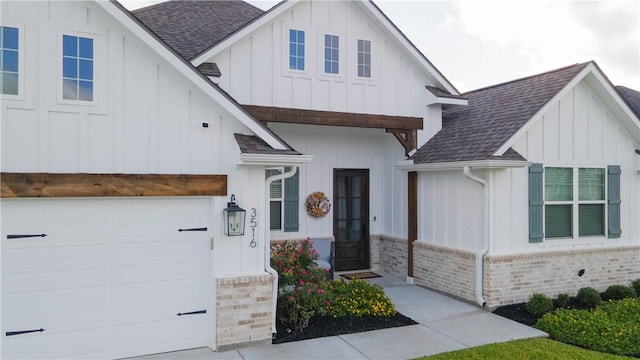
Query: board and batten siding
x,y
579,130
451,210
147,119
255,68
349,148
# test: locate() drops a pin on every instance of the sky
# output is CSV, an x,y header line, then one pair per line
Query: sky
x,y
478,43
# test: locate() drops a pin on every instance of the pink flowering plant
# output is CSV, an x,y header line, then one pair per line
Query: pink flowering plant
x,y
301,285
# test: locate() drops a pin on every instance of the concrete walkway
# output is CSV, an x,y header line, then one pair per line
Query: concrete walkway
x,y
445,324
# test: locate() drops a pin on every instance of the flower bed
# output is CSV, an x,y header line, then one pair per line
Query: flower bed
x,y
309,306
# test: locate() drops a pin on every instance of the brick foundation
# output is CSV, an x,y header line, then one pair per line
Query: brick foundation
x,y
513,278
393,256
443,269
244,310
510,279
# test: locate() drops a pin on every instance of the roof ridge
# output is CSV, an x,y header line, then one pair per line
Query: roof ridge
x,y
529,77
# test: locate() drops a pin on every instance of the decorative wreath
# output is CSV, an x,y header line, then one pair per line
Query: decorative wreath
x,y
318,204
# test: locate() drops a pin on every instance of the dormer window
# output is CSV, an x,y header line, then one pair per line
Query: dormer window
x,y
331,54
296,49
364,58
9,60
77,68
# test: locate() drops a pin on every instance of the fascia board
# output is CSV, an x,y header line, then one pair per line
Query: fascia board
x,y
273,160
192,74
401,39
543,110
408,165
242,32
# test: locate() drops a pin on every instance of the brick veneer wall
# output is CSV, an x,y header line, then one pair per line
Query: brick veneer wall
x,y
513,278
393,256
443,269
244,310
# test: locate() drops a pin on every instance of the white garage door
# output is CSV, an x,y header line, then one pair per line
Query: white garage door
x,y
112,278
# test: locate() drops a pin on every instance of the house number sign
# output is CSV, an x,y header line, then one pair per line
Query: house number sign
x,y
254,224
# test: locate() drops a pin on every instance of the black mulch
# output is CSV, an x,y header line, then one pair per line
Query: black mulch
x,y
321,326
519,313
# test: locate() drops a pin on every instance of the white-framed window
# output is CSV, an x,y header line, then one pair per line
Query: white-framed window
x,y
296,49
364,58
10,60
574,202
78,69
331,54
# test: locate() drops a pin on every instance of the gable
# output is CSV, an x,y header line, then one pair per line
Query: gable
x,y
255,62
579,128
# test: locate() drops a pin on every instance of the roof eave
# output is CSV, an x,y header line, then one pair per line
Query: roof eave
x,y
273,160
409,165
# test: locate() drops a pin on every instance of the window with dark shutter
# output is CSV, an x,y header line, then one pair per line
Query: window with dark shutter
x,y
613,201
535,203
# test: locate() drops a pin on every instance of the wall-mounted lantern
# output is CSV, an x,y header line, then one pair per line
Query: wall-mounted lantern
x,y
233,217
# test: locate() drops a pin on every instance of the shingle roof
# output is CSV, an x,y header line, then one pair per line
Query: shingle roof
x,y
632,97
494,114
192,26
210,69
250,144
443,93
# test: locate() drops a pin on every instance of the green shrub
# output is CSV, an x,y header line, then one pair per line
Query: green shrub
x,y
563,300
359,298
539,304
589,296
613,327
301,285
636,285
618,292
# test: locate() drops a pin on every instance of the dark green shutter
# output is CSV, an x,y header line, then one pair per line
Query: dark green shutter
x,y
536,203
613,201
291,202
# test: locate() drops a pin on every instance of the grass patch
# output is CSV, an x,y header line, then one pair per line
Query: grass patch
x,y
527,349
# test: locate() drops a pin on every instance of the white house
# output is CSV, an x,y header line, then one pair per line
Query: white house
x,y
533,187
125,135
118,158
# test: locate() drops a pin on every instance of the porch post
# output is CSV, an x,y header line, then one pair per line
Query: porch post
x,y
412,217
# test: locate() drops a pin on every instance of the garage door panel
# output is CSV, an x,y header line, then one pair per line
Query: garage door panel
x,y
88,343
110,286
35,304
49,259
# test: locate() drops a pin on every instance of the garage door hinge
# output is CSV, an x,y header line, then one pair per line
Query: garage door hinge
x,y
25,236
193,313
11,333
193,229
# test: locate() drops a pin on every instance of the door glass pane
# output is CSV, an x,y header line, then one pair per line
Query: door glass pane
x,y
342,230
591,219
356,186
355,231
557,219
355,208
342,208
342,187
591,184
558,184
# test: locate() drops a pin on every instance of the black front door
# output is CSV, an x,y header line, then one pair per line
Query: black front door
x,y
351,219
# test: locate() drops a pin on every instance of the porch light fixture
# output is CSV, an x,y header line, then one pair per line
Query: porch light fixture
x,y
233,217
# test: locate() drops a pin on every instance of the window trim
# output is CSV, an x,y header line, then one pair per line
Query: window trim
x,y
357,63
21,62
96,68
287,49
324,59
576,202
